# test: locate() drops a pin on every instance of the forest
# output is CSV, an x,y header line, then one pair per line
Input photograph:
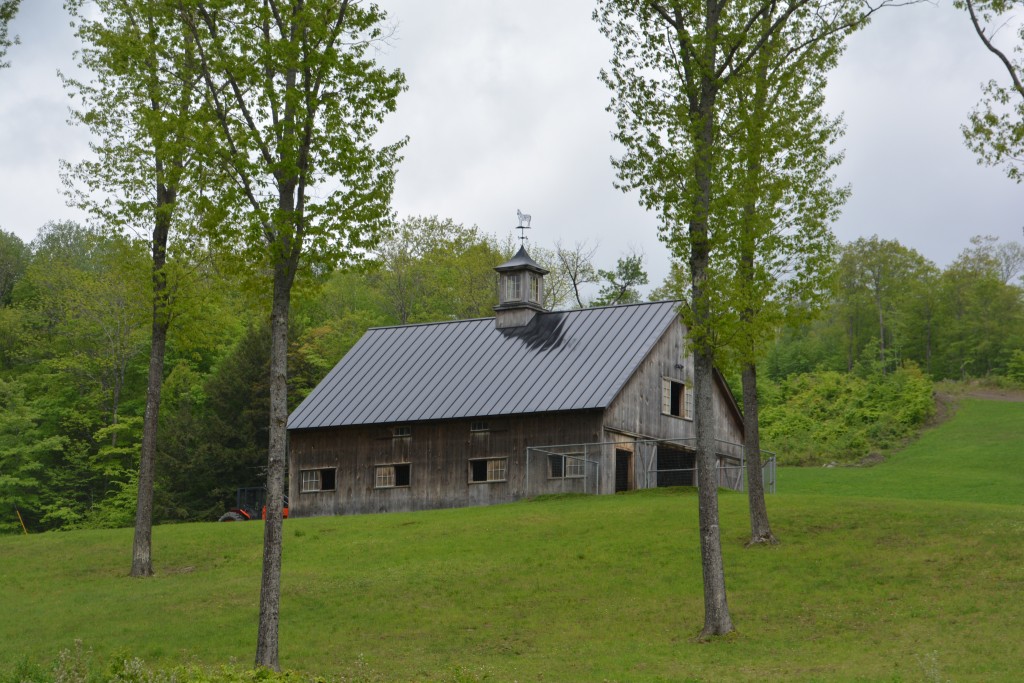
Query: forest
x,y
75,310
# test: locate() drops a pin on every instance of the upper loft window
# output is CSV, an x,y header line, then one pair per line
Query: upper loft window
x,y
479,426
513,288
404,430
676,399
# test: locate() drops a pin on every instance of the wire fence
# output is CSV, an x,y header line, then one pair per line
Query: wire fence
x,y
650,463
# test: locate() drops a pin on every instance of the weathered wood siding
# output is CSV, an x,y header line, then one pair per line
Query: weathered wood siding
x,y
637,412
637,408
439,454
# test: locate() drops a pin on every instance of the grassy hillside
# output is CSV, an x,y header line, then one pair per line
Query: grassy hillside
x,y
978,457
908,571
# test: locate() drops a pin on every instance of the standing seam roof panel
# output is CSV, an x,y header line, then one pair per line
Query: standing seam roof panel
x,y
467,375
577,370
636,334
556,379
568,360
360,378
316,408
490,392
398,371
435,376
410,381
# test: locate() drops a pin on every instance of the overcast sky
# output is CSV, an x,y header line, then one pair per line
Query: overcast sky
x,y
505,111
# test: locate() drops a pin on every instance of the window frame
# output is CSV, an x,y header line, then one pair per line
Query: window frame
x,y
401,431
676,391
572,465
394,478
490,469
513,287
305,482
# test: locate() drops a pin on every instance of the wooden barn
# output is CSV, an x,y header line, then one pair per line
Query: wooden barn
x,y
476,412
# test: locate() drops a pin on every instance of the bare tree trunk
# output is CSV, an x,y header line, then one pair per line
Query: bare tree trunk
x,y
142,548
760,529
716,609
270,586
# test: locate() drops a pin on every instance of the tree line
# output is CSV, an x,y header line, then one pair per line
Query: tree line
x,y
75,335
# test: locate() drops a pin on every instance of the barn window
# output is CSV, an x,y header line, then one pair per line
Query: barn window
x,y
676,400
513,292
318,480
535,288
391,476
479,426
489,469
404,430
567,466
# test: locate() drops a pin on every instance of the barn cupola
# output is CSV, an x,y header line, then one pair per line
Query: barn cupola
x,y
520,291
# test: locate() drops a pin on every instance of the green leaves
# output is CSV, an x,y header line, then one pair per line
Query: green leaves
x,y
995,128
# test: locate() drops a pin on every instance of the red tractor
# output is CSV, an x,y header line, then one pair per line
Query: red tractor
x,y
250,503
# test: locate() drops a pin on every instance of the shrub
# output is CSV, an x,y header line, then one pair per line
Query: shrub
x,y
828,416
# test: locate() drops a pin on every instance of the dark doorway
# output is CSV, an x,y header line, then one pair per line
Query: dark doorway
x,y
623,470
675,466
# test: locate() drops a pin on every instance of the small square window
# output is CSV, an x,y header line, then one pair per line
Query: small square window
x,y
317,480
404,430
490,469
391,476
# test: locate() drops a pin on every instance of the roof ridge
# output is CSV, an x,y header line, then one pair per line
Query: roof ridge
x,y
563,311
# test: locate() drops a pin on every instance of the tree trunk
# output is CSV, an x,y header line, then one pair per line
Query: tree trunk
x,y
760,529
142,562
270,586
142,549
716,609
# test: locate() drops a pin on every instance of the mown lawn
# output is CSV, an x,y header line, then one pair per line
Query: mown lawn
x,y
877,579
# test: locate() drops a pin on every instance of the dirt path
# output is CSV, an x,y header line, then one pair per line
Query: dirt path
x,y
997,394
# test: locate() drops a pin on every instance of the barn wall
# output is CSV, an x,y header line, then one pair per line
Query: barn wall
x,y
637,408
439,455
637,412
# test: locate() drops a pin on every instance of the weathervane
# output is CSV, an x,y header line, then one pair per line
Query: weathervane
x,y
524,224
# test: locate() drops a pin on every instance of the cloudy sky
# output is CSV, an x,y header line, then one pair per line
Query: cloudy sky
x,y
504,111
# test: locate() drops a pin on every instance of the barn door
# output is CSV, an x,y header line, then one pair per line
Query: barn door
x,y
623,470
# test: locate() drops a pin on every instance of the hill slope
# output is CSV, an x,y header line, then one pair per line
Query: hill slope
x,y
895,583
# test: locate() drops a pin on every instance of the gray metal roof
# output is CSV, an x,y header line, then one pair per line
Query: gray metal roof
x,y
568,360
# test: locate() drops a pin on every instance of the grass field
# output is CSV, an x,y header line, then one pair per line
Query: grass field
x,y
909,571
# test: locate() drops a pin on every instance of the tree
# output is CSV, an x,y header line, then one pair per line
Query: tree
x,y
672,61
995,129
14,256
783,249
621,284
577,262
296,102
435,269
8,8
139,103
